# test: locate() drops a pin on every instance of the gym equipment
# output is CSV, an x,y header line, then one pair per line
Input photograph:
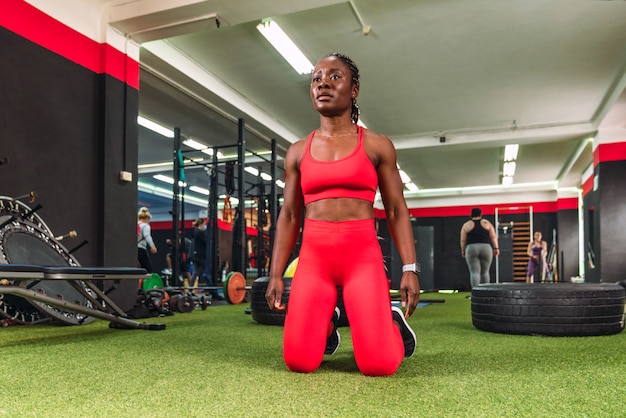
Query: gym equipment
x,y
234,185
41,279
181,303
261,313
81,279
12,209
174,297
234,287
291,268
563,309
26,239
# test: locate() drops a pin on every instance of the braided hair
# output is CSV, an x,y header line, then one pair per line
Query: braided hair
x,y
356,80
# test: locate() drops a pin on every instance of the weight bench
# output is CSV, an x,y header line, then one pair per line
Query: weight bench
x,y
82,280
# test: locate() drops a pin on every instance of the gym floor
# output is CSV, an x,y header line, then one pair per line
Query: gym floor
x,y
220,362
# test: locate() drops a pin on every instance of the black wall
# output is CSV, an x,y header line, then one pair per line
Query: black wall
x,y
67,133
568,242
605,214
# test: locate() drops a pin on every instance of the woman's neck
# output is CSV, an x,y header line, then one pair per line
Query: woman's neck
x,y
330,127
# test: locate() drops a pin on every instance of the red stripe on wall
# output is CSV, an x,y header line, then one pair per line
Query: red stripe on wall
x,y
588,185
31,23
119,66
567,203
609,152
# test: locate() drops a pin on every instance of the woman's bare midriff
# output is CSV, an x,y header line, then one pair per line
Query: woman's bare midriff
x,y
339,209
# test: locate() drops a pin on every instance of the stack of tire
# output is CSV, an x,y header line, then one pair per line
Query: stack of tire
x,y
552,309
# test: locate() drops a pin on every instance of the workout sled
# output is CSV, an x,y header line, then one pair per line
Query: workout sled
x,y
19,280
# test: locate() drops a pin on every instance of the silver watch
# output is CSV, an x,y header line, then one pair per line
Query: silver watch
x,y
414,268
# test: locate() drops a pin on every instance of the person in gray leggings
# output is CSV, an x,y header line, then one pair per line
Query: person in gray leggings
x,y
478,246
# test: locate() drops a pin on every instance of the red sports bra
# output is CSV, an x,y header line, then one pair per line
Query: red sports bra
x,y
353,176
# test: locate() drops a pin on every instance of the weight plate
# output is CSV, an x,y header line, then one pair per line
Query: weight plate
x,y
235,288
204,302
185,304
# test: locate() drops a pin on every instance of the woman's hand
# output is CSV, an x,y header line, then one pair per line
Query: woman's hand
x,y
409,292
274,294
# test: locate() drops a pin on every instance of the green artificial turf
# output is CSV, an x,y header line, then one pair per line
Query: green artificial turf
x,y
219,362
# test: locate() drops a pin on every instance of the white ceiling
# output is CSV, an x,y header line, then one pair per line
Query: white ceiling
x,y
546,74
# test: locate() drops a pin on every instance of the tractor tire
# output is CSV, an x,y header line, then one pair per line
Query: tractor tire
x,y
554,309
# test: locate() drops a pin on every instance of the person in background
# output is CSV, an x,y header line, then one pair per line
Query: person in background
x,y
184,244
332,177
479,244
537,250
144,239
199,251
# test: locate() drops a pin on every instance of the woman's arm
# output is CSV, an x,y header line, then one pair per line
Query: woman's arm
x,y
494,239
398,218
146,232
463,239
287,226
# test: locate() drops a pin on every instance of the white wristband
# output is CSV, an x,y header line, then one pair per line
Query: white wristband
x,y
414,268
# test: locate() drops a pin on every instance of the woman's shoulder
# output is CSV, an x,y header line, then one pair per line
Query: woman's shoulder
x,y
378,147
373,138
298,147
295,152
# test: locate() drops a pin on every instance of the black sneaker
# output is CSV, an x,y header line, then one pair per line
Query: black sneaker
x,y
333,340
408,336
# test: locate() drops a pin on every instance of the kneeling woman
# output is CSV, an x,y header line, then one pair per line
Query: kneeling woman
x,y
332,175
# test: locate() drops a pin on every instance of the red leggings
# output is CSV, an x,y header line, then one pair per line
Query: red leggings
x,y
343,254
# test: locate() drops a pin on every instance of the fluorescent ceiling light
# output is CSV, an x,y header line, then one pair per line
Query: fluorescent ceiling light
x,y
166,179
192,143
167,193
200,190
280,184
266,177
510,152
507,180
155,165
209,151
153,126
285,46
252,170
411,187
404,176
509,169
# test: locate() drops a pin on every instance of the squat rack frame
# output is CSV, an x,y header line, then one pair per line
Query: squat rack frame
x,y
212,267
